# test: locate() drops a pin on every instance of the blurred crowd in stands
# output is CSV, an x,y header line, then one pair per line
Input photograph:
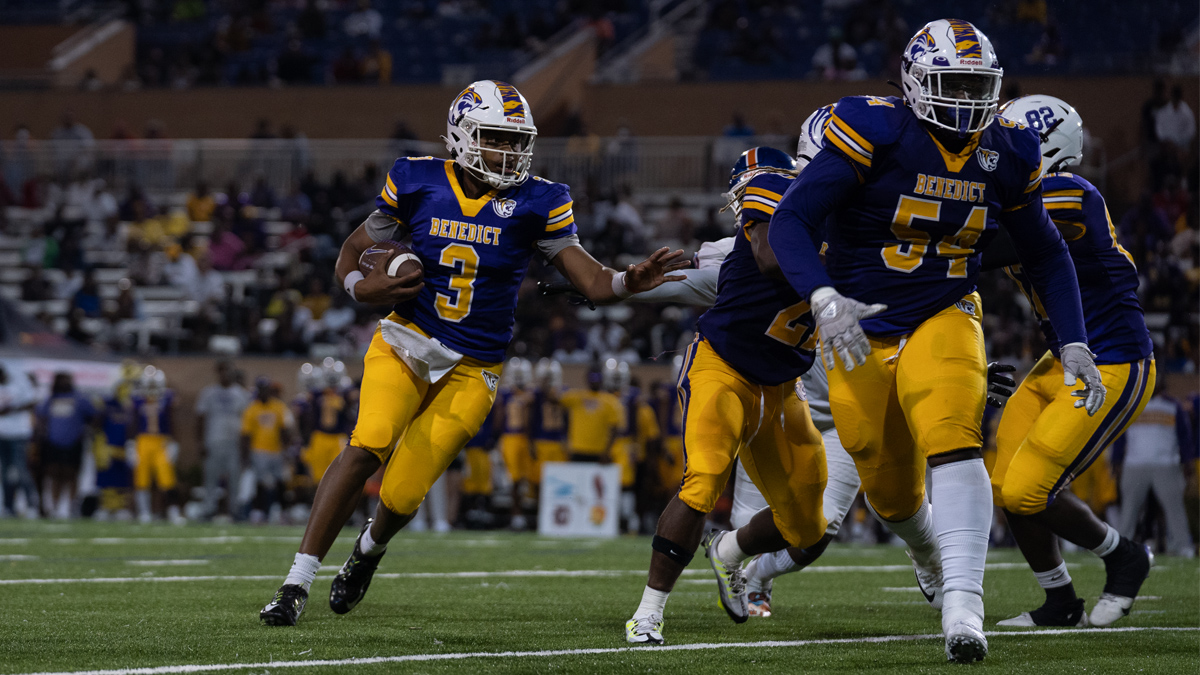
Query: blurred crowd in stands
x,y
255,264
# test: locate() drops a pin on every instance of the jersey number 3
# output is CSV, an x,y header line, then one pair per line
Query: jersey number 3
x,y
908,255
465,261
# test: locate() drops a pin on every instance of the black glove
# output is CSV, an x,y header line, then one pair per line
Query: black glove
x,y
1000,386
549,288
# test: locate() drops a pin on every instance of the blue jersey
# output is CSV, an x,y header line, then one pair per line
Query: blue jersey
x,y
117,420
909,236
1108,279
475,251
758,325
514,406
153,413
329,412
547,419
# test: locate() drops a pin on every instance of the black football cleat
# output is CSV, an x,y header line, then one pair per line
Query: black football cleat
x,y
284,609
1063,614
350,585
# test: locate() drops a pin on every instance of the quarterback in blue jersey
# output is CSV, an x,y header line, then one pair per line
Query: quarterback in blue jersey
x,y
475,221
1042,442
908,190
735,389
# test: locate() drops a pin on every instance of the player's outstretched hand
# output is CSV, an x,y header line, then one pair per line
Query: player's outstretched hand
x,y
377,288
1000,386
653,271
837,320
1079,363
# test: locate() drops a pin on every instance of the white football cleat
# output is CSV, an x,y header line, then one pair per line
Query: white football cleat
x,y
929,581
644,630
1109,609
1026,620
962,623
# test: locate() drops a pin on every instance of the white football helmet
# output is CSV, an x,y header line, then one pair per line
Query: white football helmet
x,y
951,77
549,374
496,107
812,136
308,378
519,372
153,379
1057,124
616,375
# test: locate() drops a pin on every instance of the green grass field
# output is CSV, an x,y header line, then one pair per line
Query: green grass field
x,y
462,600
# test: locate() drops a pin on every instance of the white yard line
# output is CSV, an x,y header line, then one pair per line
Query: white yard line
x,y
18,557
466,575
165,563
700,646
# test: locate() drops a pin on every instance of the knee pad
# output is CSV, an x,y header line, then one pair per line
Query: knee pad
x,y
1021,499
375,435
893,507
401,499
678,554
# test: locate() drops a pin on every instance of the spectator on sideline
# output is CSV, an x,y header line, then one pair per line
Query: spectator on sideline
x,y
594,418
17,398
63,421
1174,123
363,21
219,411
268,427
201,203
1157,453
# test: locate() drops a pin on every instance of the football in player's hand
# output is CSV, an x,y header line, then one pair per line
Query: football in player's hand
x,y
396,259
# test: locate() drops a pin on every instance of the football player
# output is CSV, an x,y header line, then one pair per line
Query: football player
x,y
736,390
548,419
327,421
516,401
594,418
1042,442
154,448
908,189
430,374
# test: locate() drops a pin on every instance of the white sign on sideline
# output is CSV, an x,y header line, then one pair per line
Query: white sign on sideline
x,y
579,499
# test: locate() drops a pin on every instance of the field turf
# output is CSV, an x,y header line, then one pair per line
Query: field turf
x,y
458,602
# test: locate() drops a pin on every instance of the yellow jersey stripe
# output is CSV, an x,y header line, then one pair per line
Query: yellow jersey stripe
x,y
854,135
775,196
561,210
1063,205
391,202
560,225
850,152
1033,186
1063,193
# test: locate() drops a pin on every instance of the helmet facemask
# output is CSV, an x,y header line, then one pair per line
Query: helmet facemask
x,y
963,100
509,150
738,191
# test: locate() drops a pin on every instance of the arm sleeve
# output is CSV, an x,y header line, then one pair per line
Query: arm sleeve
x,y
699,288
1000,253
381,227
795,228
1045,260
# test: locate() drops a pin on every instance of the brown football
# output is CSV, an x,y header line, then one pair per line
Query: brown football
x,y
395,258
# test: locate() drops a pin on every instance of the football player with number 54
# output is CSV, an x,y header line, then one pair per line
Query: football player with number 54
x,y
430,374
909,190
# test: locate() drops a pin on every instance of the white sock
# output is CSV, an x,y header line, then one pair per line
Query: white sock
x,y
963,493
369,546
653,602
919,533
142,498
1055,578
1111,539
728,550
304,570
770,565
842,486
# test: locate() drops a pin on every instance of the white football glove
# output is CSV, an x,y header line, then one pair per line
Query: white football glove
x,y
131,454
1079,363
837,320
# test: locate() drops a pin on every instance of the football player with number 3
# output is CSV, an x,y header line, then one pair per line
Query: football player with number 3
x,y
430,374
1042,444
908,190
